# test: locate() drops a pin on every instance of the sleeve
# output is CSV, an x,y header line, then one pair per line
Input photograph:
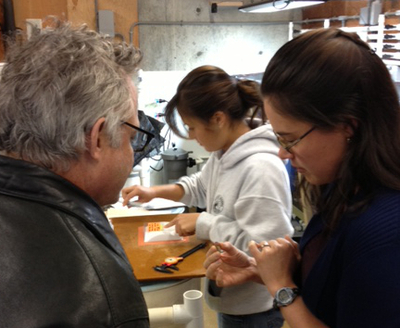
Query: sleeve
x,y
195,187
370,288
261,212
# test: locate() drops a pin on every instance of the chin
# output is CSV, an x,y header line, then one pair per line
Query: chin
x,y
210,149
109,201
316,181
312,179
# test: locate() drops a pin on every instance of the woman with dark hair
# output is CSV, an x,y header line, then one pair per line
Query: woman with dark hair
x,y
244,186
335,112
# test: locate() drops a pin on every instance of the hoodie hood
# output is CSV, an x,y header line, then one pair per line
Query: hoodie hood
x,y
259,140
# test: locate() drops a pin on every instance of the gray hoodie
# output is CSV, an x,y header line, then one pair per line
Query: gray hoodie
x,y
246,194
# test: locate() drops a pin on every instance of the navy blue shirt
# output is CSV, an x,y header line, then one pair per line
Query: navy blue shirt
x,y
355,280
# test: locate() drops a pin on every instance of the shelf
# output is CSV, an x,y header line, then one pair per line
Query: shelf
x,y
383,38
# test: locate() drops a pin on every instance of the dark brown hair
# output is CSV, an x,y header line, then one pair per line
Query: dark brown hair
x,y
208,89
329,77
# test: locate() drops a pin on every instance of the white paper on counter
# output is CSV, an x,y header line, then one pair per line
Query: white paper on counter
x,y
162,234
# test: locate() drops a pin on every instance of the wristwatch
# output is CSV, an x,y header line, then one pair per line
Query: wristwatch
x,y
285,296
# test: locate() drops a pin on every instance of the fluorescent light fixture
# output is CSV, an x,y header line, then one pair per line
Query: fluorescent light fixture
x,y
277,5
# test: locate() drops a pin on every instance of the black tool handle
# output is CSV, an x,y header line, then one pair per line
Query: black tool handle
x,y
194,249
162,268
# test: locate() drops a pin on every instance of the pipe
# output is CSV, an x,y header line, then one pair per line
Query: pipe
x,y
96,12
161,316
9,18
189,313
305,21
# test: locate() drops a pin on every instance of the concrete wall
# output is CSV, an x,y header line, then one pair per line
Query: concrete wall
x,y
240,43
177,36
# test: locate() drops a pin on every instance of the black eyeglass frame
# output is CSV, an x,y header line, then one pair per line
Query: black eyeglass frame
x,y
288,145
150,136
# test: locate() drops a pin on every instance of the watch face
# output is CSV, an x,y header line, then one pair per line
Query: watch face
x,y
284,296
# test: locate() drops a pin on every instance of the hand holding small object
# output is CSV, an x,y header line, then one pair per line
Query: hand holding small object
x,y
260,246
139,193
276,262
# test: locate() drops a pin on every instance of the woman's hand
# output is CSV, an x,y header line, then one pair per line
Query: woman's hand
x,y
276,262
229,266
144,194
185,224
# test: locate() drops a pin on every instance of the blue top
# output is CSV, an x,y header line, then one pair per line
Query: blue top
x,y
355,281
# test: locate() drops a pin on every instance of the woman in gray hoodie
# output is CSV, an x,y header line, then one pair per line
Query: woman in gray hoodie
x,y
244,186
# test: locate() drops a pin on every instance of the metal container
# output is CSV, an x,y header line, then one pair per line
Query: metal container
x,y
176,161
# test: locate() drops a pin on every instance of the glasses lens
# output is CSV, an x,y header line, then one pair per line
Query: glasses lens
x,y
140,141
281,141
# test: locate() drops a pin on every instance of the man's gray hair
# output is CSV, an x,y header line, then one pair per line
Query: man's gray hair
x,y
54,88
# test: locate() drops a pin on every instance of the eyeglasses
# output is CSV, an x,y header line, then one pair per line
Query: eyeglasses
x,y
289,144
142,138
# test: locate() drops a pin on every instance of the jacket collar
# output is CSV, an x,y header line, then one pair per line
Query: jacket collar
x,y
28,181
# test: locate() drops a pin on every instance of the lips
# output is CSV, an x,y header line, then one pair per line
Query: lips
x,y
299,169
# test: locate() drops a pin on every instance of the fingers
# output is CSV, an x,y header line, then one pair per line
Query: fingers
x,y
143,194
273,243
260,246
185,224
225,247
212,256
214,252
128,197
219,248
212,269
295,246
291,241
211,250
170,223
256,248
269,246
126,191
179,227
127,194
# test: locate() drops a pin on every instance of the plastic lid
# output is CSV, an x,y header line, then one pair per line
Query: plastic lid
x,y
175,154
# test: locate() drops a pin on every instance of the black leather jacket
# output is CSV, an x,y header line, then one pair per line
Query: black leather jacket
x,y
61,265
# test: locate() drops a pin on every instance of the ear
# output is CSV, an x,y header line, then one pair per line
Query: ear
x,y
96,139
350,128
219,118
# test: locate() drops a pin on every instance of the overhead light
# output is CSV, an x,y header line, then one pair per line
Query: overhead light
x,y
277,5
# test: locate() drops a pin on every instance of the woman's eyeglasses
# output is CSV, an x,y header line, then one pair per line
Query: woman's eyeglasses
x,y
142,138
289,144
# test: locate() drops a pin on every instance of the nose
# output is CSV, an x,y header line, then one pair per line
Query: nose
x,y
284,154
